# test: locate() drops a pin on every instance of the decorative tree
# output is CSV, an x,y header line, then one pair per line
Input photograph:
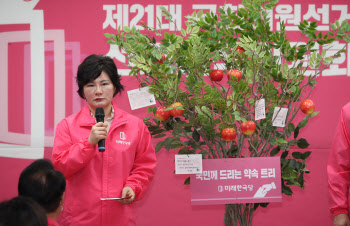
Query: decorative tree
x,y
211,113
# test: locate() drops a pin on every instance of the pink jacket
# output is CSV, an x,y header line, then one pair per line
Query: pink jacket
x,y
51,222
339,166
129,160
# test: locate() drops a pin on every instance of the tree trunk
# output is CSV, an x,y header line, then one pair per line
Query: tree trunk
x,y
239,214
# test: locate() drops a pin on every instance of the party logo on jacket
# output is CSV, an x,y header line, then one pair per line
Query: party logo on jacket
x,y
122,136
122,139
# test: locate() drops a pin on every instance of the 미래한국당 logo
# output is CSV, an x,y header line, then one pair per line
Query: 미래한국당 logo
x,y
122,139
122,136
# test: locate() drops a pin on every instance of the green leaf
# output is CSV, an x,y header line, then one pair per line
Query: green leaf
x,y
196,135
306,155
286,190
340,33
281,140
292,142
140,59
159,146
292,182
289,172
268,6
313,114
297,155
301,180
344,23
176,144
187,181
133,29
306,170
292,163
313,24
160,136
149,110
188,29
330,33
334,28
275,151
167,143
108,35
299,166
169,108
183,32
291,127
256,205
186,151
166,35
302,123
158,56
302,143
284,154
195,30
264,205
337,23
126,29
200,13
328,58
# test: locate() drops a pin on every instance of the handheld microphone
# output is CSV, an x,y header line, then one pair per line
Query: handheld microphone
x,y
100,116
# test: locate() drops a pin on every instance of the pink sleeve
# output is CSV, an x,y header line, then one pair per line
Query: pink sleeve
x,y
339,166
144,164
67,157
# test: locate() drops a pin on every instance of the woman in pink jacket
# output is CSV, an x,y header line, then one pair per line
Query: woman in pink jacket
x,y
339,170
123,170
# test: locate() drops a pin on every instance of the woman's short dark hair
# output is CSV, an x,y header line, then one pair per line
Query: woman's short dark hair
x,y
92,67
42,183
22,211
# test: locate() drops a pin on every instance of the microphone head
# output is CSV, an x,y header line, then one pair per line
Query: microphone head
x,y
99,114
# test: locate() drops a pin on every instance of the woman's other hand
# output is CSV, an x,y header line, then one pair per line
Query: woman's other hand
x,y
341,220
127,192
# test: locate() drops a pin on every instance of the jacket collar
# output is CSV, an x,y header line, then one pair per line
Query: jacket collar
x,y
86,119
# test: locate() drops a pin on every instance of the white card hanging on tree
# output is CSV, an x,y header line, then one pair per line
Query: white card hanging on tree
x,y
188,164
279,117
260,109
139,98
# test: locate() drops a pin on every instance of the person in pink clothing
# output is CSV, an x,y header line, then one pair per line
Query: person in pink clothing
x,y
123,170
339,170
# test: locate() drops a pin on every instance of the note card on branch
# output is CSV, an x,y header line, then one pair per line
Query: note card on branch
x,y
237,180
279,117
140,98
188,164
260,109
